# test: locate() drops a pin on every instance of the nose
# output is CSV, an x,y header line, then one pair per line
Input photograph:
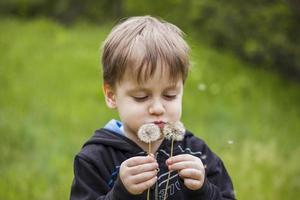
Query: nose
x,y
156,108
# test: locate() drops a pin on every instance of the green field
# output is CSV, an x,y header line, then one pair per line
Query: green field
x,y
51,102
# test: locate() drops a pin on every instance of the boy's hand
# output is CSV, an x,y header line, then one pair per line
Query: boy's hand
x,y
190,169
138,173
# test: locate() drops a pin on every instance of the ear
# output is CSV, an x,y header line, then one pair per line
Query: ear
x,y
109,95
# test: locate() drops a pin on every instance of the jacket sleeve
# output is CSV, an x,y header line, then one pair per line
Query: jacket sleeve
x,y
89,185
217,184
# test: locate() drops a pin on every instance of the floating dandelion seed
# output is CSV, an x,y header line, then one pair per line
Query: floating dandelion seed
x,y
149,133
201,87
174,131
230,141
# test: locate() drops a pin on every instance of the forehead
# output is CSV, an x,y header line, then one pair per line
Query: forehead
x,y
158,72
160,78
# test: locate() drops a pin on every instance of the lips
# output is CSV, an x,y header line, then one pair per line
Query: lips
x,y
160,124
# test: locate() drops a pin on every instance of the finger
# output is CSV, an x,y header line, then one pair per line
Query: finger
x,y
143,177
180,158
191,174
152,155
138,160
193,184
184,165
143,168
141,187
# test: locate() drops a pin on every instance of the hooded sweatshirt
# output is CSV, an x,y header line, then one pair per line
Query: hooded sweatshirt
x,y
96,169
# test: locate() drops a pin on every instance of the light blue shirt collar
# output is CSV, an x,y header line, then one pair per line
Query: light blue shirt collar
x,y
115,126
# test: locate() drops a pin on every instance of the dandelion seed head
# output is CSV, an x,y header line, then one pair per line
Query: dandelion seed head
x,y
149,133
174,130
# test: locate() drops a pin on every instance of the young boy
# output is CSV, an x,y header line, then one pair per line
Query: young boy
x,y
145,64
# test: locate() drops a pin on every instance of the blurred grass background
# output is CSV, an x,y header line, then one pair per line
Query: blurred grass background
x,y
51,102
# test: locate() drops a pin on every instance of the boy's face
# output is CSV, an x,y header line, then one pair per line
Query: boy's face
x,y
158,100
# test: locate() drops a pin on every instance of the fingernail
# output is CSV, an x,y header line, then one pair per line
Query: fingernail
x,y
152,155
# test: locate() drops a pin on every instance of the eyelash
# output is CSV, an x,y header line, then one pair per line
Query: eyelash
x,y
144,98
140,99
170,97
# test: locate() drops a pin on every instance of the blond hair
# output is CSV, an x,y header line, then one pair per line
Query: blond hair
x,y
143,45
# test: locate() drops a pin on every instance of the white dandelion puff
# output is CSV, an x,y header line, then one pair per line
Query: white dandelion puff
x,y
149,133
174,131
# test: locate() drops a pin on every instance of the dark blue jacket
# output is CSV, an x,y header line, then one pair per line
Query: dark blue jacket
x,y
96,169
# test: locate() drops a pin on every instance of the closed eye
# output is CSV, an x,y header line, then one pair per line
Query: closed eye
x,y
140,98
170,96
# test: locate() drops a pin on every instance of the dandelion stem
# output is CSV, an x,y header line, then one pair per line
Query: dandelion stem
x,y
149,152
169,173
172,145
148,194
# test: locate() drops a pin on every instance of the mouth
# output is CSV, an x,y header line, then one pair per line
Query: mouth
x,y
160,124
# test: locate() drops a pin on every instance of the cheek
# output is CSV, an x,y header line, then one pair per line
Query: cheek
x,y
174,111
131,112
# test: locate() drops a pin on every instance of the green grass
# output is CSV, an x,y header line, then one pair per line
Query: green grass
x,y
51,102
